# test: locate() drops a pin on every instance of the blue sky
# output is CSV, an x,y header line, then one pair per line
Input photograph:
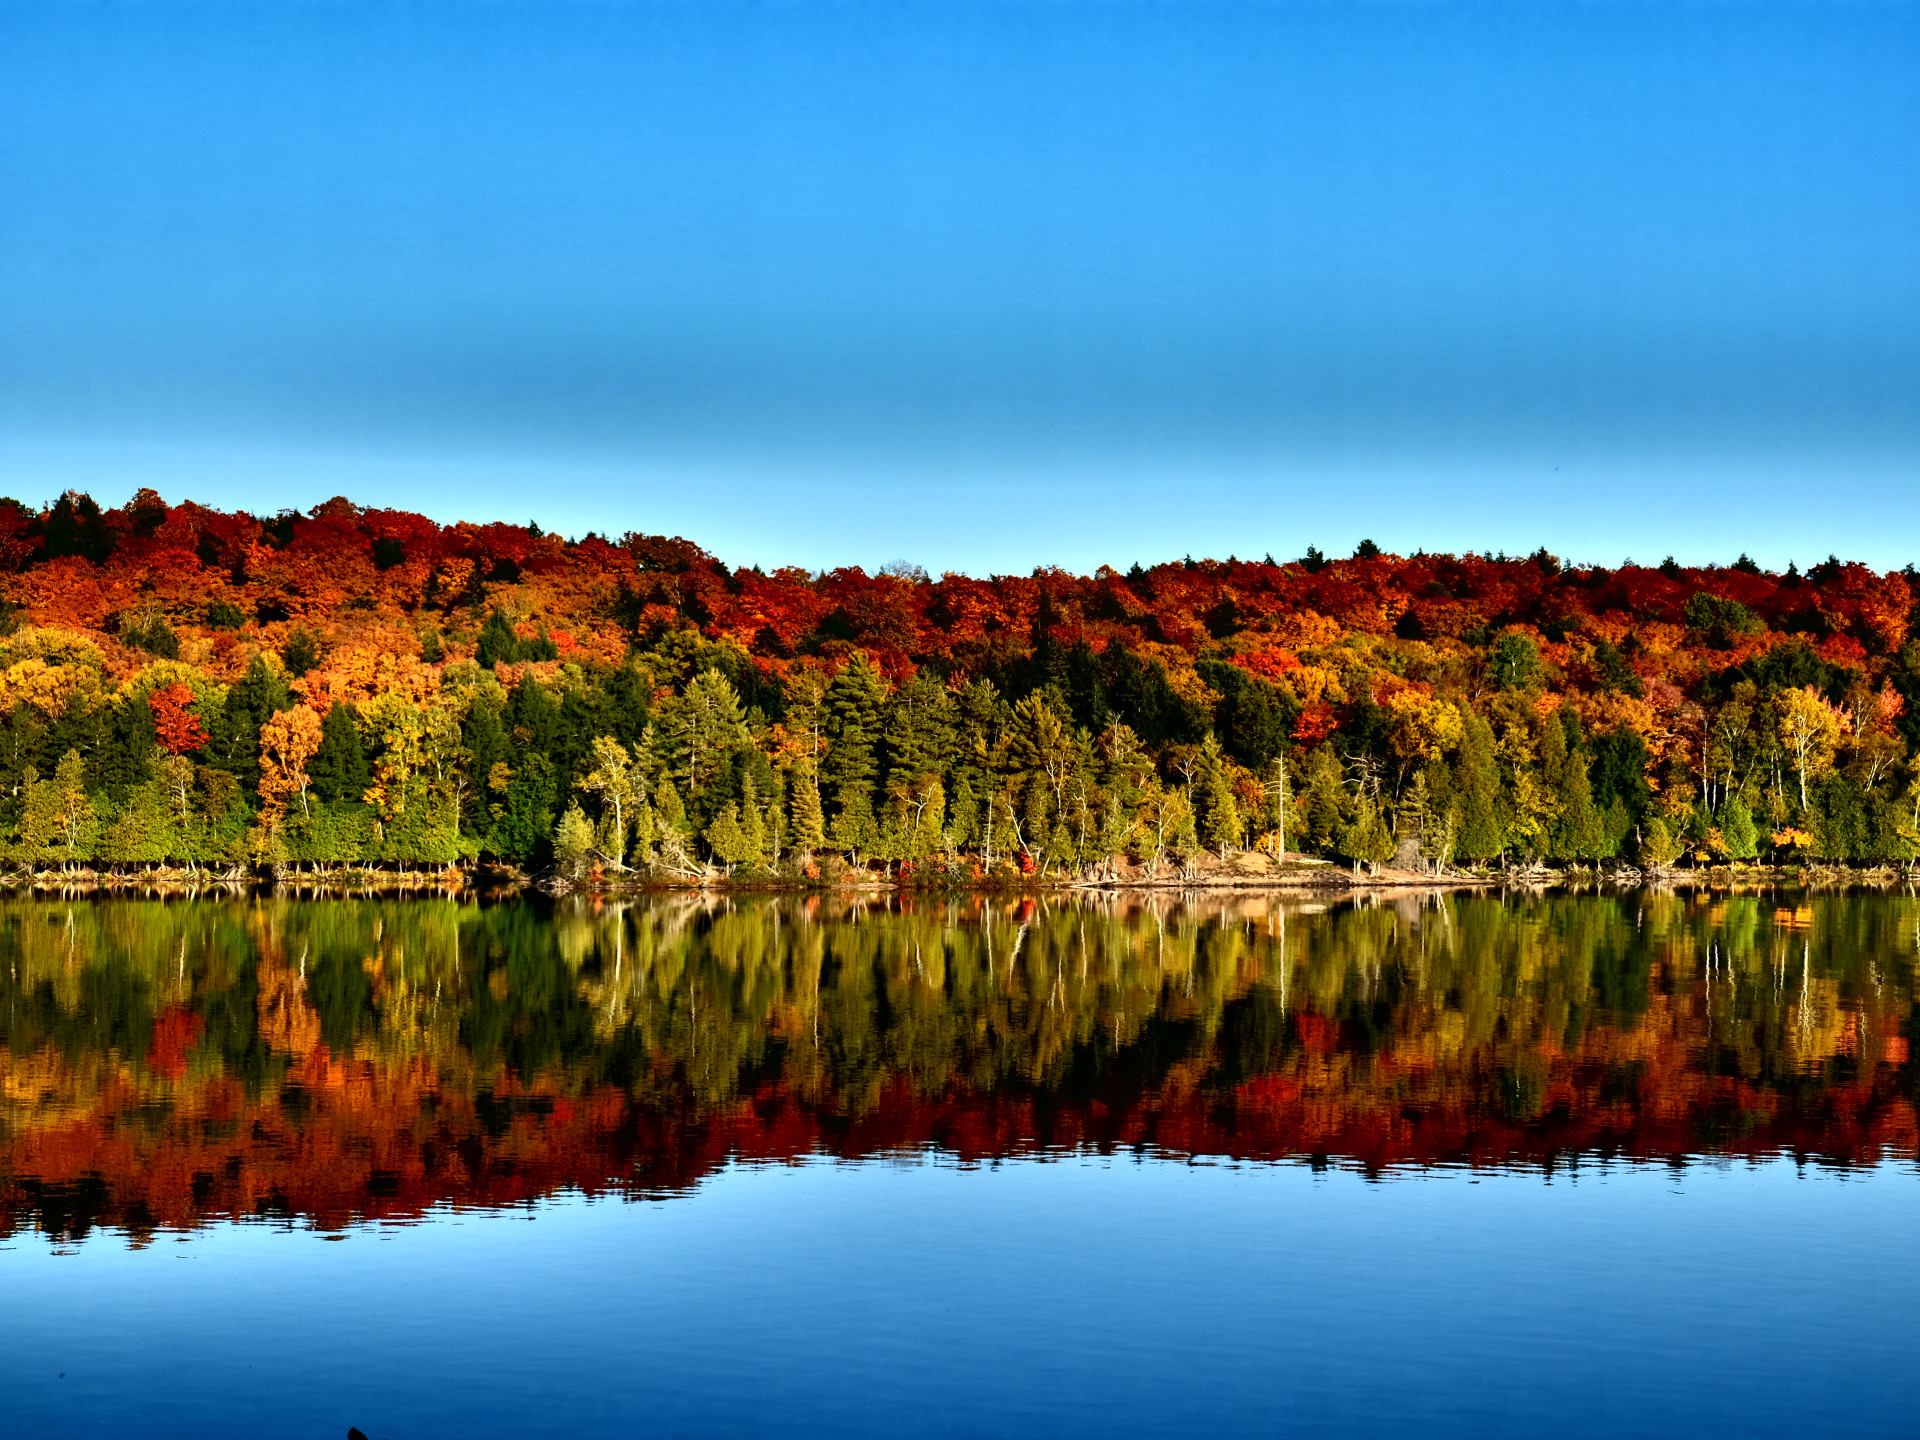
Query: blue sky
x,y
984,285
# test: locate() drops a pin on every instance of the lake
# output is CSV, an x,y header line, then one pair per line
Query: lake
x,y
1572,1164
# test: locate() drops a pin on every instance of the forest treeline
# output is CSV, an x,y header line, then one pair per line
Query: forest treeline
x,y
170,1063
352,685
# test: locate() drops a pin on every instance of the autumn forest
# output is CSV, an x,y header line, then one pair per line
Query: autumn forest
x,y
182,687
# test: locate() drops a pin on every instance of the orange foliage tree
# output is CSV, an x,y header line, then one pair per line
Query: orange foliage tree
x,y
288,740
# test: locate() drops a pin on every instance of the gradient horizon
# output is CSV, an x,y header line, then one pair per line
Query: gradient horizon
x,y
981,286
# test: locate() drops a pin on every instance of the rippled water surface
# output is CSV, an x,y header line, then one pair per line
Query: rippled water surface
x,y
1639,1164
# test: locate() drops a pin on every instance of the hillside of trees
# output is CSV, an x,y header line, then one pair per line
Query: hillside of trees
x,y
184,686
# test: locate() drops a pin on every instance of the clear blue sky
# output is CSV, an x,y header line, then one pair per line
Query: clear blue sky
x,y
980,285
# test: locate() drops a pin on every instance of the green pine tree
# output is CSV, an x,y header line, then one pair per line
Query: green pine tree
x,y
489,756
301,653
1323,801
1659,847
234,745
497,642
533,718
1221,828
730,840
1580,831
704,729
1367,838
855,704
1476,782
573,843
672,832
921,731
526,817
855,830
1738,836
128,747
339,772
809,824
39,818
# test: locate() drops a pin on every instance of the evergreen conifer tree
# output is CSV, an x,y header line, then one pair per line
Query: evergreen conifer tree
x,y
1367,838
1439,817
772,833
497,642
489,754
573,843
1324,800
1658,847
301,653
525,826
39,818
753,823
980,736
1617,824
541,647
629,705
234,742
1553,755
128,747
672,832
584,716
1477,784
964,817
1221,828
1580,831
153,635
533,717
222,837
855,703
1738,837
339,772
809,824
855,830
730,840
921,722
705,730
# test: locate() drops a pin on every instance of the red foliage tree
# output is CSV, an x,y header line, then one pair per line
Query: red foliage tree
x,y
174,723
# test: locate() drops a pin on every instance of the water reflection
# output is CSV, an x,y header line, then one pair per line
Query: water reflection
x,y
171,1064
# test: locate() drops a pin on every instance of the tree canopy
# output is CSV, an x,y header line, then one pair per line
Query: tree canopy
x,y
357,684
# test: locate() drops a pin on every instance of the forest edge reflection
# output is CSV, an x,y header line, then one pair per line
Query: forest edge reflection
x,y
169,1065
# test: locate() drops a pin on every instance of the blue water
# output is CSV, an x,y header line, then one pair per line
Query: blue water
x,y
1076,1296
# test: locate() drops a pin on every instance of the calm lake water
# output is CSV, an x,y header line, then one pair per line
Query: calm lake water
x,y
1572,1165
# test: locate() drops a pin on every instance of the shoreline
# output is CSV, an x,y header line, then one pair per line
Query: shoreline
x,y
1317,879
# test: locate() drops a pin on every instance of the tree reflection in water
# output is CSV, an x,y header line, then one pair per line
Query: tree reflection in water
x,y
167,1065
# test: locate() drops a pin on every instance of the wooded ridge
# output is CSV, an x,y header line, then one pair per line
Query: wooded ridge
x,y
351,685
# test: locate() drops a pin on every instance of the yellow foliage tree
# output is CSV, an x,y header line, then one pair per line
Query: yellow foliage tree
x,y
1810,731
1423,728
612,779
288,740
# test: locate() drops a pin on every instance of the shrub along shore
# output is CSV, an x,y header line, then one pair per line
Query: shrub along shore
x,y
228,698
